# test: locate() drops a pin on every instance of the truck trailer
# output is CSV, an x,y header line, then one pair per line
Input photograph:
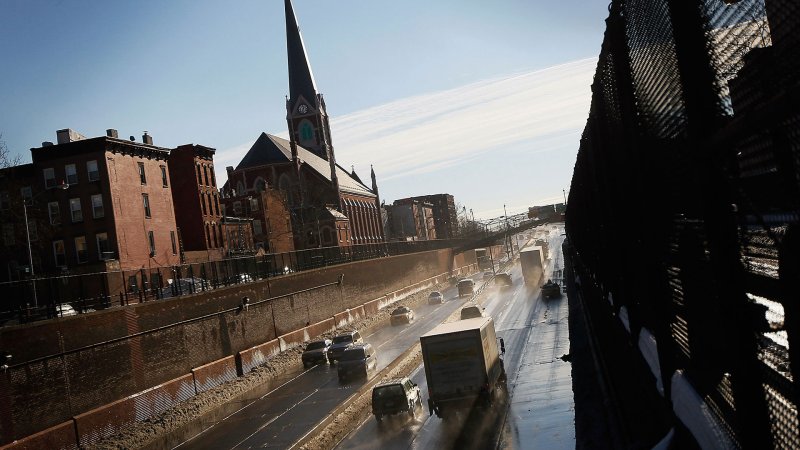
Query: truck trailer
x,y
531,261
462,365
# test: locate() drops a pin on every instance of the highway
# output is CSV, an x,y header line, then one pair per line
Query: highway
x,y
540,412
282,416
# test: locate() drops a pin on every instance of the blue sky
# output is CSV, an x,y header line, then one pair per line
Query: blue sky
x,y
483,100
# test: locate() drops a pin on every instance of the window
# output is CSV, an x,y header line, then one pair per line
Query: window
x,y
33,234
174,244
75,210
27,194
237,208
146,204
5,201
72,174
81,251
97,206
142,177
8,234
253,204
49,177
213,178
205,175
58,253
152,239
54,213
199,176
257,227
164,176
92,171
203,201
103,251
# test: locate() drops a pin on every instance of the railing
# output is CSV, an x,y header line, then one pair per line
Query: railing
x,y
684,207
66,295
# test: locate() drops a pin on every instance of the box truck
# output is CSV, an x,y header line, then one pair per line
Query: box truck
x,y
531,261
463,366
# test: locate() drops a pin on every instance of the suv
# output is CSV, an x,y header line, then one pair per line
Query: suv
x,y
471,312
395,396
466,287
340,344
358,359
316,352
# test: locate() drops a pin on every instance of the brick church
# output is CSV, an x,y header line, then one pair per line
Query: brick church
x,y
328,205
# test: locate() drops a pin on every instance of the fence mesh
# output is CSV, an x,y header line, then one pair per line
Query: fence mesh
x,y
693,138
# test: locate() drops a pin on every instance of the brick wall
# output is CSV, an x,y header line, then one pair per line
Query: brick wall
x,y
45,393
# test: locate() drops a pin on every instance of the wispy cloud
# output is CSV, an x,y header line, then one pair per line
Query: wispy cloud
x,y
434,131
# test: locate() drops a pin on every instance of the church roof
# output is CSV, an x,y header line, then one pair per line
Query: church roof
x,y
269,149
301,79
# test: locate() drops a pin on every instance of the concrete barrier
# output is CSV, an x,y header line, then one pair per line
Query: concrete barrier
x,y
325,326
62,436
108,419
293,339
258,355
214,373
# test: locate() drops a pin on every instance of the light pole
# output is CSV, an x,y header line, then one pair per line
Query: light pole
x,y
63,187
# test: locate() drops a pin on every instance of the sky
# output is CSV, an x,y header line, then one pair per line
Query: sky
x,y
482,100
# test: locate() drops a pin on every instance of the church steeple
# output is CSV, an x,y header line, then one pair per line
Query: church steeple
x,y
305,108
301,79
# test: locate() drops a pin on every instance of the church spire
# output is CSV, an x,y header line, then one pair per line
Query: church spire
x,y
301,80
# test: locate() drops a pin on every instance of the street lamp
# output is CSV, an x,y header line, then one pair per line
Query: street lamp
x,y
63,186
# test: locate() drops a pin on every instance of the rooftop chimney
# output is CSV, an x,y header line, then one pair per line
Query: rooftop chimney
x,y
112,133
133,139
46,144
147,139
68,135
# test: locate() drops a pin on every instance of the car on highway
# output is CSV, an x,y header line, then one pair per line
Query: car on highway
x,y
471,312
357,360
316,352
64,310
503,279
466,287
399,395
400,315
435,297
487,274
551,289
340,344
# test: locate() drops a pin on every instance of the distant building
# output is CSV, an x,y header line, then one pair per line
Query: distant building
x,y
444,213
328,206
410,220
197,203
237,236
94,204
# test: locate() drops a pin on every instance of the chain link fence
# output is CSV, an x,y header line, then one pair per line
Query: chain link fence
x,y
685,200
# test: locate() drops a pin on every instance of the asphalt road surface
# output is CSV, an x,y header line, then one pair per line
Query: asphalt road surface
x,y
535,411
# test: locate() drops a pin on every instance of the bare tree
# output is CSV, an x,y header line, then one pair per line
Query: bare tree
x,y
6,159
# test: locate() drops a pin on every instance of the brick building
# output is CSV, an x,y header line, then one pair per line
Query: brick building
x,y
410,220
96,204
271,221
444,213
197,203
328,206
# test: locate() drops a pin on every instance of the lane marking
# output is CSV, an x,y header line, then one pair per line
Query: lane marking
x,y
269,422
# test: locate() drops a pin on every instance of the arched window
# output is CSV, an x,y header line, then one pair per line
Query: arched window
x,y
240,188
305,131
260,185
327,238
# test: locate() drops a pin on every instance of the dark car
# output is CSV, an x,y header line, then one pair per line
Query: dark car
x,y
466,287
503,279
551,289
316,352
340,344
403,314
357,360
435,297
471,312
394,397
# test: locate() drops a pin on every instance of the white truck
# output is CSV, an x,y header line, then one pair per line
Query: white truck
x,y
462,365
531,260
